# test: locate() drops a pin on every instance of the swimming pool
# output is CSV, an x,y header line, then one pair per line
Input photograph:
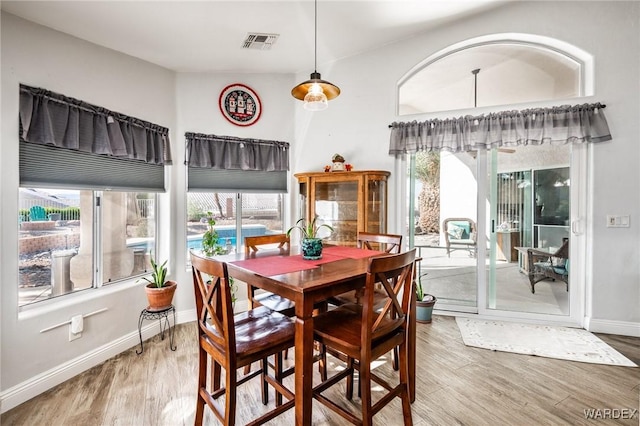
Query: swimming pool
x,y
225,233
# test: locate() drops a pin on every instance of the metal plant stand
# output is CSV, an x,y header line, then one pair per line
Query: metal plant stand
x,y
159,314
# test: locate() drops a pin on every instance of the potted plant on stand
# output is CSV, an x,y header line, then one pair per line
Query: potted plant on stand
x,y
159,290
310,243
424,302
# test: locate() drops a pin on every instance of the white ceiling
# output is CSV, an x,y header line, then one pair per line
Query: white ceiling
x,y
200,36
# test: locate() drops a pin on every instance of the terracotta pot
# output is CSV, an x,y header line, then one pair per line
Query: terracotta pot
x,y
424,311
160,298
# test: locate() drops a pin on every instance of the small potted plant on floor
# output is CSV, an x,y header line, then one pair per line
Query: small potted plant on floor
x,y
310,243
159,290
424,302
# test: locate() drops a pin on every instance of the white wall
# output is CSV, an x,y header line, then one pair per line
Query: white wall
x,y
355,125
197,105
40,57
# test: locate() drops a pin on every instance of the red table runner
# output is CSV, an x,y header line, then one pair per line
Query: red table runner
x,y
275,265
350,252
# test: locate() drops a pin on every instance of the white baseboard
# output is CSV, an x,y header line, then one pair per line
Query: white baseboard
x,y
36,385
623,328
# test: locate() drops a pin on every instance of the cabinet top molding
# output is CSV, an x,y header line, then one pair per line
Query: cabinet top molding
x,y
345,173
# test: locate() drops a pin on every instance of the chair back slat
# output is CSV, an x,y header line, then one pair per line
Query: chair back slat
x,y
395,272
251,244
213,300
563,251
390,243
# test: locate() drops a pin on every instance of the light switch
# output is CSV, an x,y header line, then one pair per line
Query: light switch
x,y
617,221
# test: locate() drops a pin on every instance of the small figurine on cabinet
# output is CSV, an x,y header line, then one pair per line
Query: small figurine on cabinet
x,y
338,163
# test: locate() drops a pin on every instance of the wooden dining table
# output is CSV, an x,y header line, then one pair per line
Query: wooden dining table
x,y
308,282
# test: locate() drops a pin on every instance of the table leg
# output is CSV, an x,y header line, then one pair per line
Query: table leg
x,y
411,347
304,363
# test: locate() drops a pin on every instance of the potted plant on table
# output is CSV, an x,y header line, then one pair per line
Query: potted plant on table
x,y
159,290
424,302
310,243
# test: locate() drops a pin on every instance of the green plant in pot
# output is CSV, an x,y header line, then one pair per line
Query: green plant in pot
x,y
310,243
211,247
424,302
159,290
210,243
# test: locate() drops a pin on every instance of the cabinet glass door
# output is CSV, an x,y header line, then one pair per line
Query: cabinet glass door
x,y
375,208
336,204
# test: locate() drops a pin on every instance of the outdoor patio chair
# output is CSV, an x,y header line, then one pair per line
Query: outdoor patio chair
x,y
544,265
37,213
460,234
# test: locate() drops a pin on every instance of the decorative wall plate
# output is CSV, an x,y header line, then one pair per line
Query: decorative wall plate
x,y
240,104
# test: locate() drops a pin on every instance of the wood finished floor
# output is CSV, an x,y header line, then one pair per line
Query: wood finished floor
x,y
456,385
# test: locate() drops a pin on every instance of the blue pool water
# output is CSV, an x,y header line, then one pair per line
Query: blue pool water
x,y
225,233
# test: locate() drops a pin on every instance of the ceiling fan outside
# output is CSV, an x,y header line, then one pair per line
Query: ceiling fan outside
x,y
475,105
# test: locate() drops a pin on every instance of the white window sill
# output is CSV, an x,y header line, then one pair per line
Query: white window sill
x,y
73,299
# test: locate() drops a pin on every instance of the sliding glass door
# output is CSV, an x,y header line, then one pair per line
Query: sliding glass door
x,y
528,201
443,206
529,207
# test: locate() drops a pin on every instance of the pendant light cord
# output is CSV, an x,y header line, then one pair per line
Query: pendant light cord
x,y
315,40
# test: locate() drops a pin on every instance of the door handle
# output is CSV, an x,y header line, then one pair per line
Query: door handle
x,y
575,228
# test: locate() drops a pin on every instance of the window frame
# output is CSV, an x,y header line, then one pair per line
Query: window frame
x,y
97,270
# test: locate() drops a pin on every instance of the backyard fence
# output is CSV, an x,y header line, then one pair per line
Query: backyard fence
x,y
59,211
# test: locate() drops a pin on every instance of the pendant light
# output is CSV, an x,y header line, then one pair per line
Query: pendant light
x,y
315,92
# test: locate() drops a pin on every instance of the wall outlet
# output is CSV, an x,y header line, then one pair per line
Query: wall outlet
x,y
74,336
76,327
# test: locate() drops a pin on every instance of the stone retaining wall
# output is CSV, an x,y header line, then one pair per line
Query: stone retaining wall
x,y
40,243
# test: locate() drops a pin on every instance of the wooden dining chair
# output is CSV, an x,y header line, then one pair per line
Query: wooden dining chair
x,y
231,342
388,243
263,298
271,300
363,334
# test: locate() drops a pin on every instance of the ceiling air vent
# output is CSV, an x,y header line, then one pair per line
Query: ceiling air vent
x,y
259,41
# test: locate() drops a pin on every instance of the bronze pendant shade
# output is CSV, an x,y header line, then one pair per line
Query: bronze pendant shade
x,y
330,90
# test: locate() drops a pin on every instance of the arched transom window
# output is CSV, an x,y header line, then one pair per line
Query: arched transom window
x,y
511,72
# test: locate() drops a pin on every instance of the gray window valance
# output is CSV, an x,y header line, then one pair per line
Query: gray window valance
x,y
226,163
48,118
557,125
231,153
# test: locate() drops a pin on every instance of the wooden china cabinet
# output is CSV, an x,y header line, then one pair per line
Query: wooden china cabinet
x,y
348,201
